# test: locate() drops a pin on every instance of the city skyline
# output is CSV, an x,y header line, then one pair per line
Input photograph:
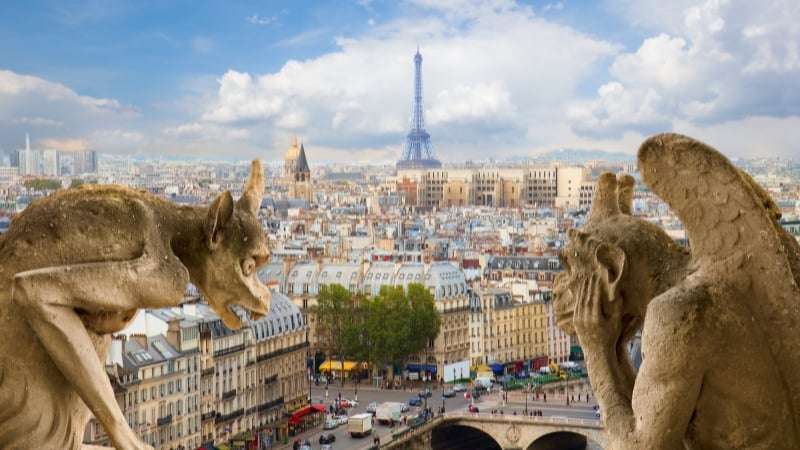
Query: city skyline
x,y
502,78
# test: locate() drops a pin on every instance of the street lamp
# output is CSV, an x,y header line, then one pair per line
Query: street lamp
x,y
526,401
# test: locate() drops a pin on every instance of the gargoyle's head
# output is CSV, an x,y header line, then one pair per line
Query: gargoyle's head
x,y
635,259
237,248
593,249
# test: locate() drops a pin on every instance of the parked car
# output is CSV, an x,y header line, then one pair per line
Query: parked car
x,y
459,387
403,407
330,424
449,393
414,401
425,393
342,419
300,443
327,438
372,407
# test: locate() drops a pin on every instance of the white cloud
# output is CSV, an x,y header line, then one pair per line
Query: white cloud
x,y
255,19
725,61
483,80
56,114
38,121
497,78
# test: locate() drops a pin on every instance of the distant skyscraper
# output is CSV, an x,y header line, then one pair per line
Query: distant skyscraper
x,y
51,163
85,162
418,153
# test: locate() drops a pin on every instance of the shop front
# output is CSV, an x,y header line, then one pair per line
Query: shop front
x,y
306,418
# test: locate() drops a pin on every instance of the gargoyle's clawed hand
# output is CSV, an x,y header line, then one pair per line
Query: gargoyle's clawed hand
x,y
598,314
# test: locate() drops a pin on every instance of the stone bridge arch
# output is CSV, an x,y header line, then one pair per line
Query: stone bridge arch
x,y
458,430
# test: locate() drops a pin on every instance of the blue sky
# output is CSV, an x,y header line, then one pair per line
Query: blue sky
x,y
501,77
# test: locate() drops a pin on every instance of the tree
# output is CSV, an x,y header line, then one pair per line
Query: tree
x,y
42,184
384,329
75,182
334,304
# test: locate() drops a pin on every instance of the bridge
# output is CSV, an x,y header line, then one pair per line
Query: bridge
x,y
463,430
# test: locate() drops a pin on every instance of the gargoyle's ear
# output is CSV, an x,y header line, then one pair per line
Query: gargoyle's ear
x,y
219,214
625,184
254,192
611,259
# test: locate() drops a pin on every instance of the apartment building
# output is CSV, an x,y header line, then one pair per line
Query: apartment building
x,y
189,382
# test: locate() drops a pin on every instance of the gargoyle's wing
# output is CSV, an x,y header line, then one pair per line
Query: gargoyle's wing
x,y
733,234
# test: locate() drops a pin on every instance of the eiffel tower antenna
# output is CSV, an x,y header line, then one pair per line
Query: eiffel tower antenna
x,y
418,153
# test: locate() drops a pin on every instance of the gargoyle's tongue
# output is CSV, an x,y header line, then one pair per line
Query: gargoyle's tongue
x,y
230,319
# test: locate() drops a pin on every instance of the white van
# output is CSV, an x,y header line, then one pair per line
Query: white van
x,y
484,382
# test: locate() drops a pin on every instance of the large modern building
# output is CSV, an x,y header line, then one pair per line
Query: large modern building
x,y
542,187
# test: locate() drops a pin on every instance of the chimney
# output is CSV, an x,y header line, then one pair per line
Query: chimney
x,y
114,356
174,334
141,339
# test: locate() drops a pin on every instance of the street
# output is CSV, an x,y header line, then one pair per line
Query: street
x,y
554,407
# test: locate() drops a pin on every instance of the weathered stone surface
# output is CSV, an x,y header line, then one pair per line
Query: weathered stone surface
x,y
721,325
77,265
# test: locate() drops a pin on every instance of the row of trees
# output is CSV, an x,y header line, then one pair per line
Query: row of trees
x,y
384,329
46,184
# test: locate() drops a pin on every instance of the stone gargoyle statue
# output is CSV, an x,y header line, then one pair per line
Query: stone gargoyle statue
x,y
77,265
720,322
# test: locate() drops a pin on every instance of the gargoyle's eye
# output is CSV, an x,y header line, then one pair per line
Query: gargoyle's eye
x,y
248,266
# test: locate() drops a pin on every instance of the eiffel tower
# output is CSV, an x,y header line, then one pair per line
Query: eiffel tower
x,y
418,153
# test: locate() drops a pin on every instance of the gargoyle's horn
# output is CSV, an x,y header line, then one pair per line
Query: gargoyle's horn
x,y
254,192
606,201
625,184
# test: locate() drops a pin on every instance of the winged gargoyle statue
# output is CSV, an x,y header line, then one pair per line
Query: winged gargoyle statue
x,y
721,323
76,266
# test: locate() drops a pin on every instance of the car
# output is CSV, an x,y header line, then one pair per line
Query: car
x,y
342,419
301,443
403,407
449,393
414,401
326,447
425,392
327,438
347,403
597,411
372,407
459,387
473,409
330,424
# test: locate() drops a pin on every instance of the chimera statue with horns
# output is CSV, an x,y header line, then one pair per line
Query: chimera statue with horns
x,y
77,265
721,323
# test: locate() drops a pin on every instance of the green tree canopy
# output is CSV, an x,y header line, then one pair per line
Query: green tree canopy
x,y
42,184
334,305
391,326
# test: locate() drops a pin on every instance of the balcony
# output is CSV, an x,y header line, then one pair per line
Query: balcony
x,y
270,404
282,351
208,416
228,417
207,372
164,421
229,394
229,350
